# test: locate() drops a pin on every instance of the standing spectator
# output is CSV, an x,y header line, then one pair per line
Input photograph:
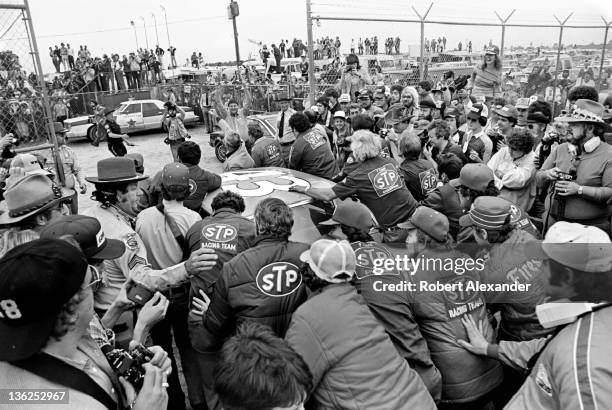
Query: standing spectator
x,y
486,78
277,57
55,59
200,60
135,70
339,339
304,65
70,56
281,47
106,74
159,53
117,72
60,110
172,51
64,57
286,137
160,227
359,46
397,45
352,46
177,133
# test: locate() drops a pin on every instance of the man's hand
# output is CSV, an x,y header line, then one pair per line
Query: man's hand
x,y
201,260
200,306
566,188
551,174
153,311
501,144
160,359
298,189
427,153
153,395
477,343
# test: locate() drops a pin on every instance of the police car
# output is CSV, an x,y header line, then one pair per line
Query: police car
x,y
260,183
132,116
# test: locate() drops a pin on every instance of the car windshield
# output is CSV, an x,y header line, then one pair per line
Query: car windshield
x,y
121,107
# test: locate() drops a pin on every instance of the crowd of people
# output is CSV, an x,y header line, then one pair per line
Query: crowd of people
x,y
93,300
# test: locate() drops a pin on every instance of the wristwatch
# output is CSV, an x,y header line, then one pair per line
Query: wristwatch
x,y
580,190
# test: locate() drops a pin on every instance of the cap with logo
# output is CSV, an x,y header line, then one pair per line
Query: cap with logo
x,y
353,214
522,103
36,281
88,233
365,93
474,176
175,176
430,221
478,110
344,98
340,114
581,247
507,111
332,261
488,212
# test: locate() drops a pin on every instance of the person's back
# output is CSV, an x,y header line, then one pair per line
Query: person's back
x,y
266,152
354,363
311,153
239,159
420,177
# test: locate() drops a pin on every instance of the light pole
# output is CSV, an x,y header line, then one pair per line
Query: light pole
x,y
232,13
144,25
135,33
166,20
156,35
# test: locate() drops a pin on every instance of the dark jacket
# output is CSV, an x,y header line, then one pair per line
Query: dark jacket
x,y
446,200
262,284
311,153
228,233
353,363
266,152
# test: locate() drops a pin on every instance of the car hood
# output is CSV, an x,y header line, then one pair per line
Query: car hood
x,y
260,183
77,120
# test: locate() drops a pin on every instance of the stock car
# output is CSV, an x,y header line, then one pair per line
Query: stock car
x,y
267,123
260,183
132,116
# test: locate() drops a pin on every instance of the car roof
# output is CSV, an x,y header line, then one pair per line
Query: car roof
x,y
265,116
129,102
276,182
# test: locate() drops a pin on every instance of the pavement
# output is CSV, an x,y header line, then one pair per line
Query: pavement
x,y
150,145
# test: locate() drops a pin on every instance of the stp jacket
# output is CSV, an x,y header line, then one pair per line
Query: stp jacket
x,y
262,284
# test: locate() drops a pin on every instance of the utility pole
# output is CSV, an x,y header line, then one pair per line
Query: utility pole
x,y
233,12
155,21
166,20
144,25
561,24
311,71
135,33
503,37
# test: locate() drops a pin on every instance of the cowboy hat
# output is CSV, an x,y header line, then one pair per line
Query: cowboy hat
x,y
29,196
116,170
585,111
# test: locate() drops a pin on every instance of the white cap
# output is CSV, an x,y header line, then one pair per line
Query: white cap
x,y
340,114
344,98
330,259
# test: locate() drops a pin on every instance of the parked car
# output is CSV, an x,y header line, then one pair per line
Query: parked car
x,y
260,183
132,116
266,121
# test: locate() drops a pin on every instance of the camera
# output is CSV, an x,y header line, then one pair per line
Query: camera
x,y
129,364
566,176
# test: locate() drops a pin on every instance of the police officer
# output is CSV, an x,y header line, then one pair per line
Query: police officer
x,y
569,370
117,193
262,284
376,182
311,151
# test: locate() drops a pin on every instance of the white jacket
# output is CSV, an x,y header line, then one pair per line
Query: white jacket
x,y
515,178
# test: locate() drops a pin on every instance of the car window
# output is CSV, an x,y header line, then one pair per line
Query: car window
x,y
132,109
150,109
121,107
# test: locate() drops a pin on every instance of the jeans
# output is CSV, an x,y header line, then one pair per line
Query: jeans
x,y
175,324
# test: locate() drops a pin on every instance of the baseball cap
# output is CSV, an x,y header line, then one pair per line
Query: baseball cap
x,y
451,113
344,98
488,212
340,114
332,261
88,233
478,110
175,176
430,221
428,103
138,158
30,165
522,103
365,93
353,214
492,50
474,176
36,280
581,247
507,111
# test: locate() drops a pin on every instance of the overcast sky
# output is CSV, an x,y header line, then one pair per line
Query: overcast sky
x,y
203,26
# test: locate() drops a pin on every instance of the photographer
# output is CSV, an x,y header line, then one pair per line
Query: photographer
x,y
579,172
354,77
47,345
177,133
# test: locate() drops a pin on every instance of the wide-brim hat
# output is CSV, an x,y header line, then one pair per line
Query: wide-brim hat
x,y
585,111
29,196
116,170
395,115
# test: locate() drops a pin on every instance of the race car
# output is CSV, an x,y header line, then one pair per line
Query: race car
x,y
132,116
267,123
260,183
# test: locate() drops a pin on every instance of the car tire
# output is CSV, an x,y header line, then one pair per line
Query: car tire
x,y
90,132
221,152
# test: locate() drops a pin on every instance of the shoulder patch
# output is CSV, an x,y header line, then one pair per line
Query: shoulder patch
x,y
136,260
131,242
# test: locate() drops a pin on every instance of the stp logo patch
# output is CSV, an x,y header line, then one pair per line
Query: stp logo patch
x,y
219,232
366,254
278,279
385,179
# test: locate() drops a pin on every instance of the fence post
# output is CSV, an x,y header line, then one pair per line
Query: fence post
x,y
503,36
45,95
422,18
311,74
561,24
603,50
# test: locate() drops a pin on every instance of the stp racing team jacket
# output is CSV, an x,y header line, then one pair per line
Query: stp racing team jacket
x,y
572,370
133,263
263,284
